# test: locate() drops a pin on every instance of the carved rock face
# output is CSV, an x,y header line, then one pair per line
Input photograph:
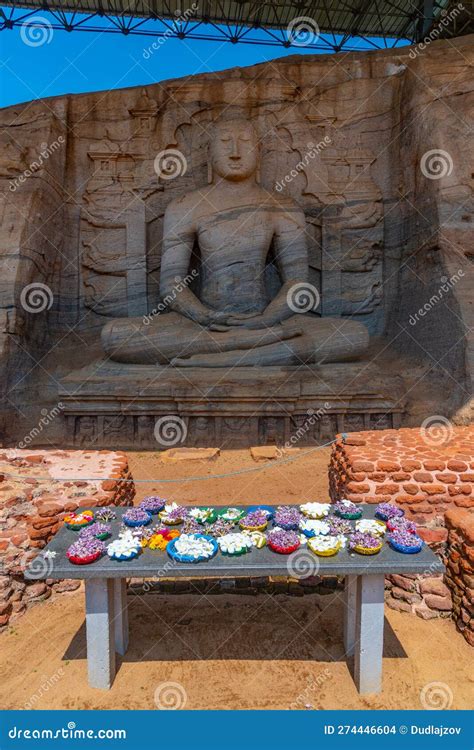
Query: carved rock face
x,y
234,150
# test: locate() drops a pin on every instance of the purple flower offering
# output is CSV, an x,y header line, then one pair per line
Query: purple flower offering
x,y
405,541
255,519
283,540
97,530
400,523
219,528
287,517
136,517
105,514
86,548
152,504
364,541
174,514
347,509
339,526
191,526
387,511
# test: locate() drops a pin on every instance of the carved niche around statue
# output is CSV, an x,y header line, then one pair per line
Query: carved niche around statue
x,y
228,318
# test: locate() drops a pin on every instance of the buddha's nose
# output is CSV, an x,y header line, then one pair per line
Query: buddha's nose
x,y
234,154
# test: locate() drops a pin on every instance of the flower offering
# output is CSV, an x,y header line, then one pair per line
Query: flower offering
x,y
235,543
125,547
231,514
387,511
77,521
192,548
203,515
282,541
152,504
85,551
405,541
287,517
312,527
315,510
173,514
105,514
325,546
370,526
346,509
97,530
256,520
136,517
365,544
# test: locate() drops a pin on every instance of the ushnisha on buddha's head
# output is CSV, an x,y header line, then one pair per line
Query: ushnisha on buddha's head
x,y
233,150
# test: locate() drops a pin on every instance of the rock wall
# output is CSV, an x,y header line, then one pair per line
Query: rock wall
x,y
432,479
82,199
425,474
32,511
460,569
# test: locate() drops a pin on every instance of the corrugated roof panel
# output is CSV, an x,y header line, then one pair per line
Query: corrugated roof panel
x,y
392,18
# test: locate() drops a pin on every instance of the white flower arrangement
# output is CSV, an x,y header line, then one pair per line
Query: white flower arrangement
x,y
315,510
127,545
192,545
370,526
325,544
235,543
200,514
314,526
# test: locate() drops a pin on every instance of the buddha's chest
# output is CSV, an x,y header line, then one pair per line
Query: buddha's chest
x,y
234,235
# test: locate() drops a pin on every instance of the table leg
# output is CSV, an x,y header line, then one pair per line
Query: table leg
x,y
120,615
350,610
369,633
100,632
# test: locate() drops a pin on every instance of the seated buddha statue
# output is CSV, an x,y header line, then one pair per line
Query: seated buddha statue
x,y
233,321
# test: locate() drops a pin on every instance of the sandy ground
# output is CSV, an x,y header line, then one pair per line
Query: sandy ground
x,y
303,478
228,651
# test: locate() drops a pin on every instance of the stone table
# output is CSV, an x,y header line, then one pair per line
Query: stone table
x,y
106,606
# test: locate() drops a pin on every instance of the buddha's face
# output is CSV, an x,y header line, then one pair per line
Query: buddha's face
x,y
234,150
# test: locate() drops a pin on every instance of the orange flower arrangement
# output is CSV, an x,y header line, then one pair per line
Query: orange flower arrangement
x,y
160,539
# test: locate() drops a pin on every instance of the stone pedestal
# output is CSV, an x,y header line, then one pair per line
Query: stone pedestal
x,y
108,404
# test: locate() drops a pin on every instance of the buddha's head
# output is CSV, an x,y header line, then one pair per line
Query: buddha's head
x,y
233,150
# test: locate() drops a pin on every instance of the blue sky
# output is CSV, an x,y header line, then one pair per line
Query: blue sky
x,y
89,61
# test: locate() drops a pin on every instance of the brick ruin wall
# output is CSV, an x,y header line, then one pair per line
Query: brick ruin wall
x,y
32,511
433,481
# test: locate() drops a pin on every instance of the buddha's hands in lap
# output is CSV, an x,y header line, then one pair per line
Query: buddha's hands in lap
x,y
251,321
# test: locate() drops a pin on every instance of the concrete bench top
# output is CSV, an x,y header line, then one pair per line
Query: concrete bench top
x,y
257,562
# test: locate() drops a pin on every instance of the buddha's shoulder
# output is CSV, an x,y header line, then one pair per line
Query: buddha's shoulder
x,y
283,203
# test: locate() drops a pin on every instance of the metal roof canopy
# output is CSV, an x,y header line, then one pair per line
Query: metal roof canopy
x,y
329,25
